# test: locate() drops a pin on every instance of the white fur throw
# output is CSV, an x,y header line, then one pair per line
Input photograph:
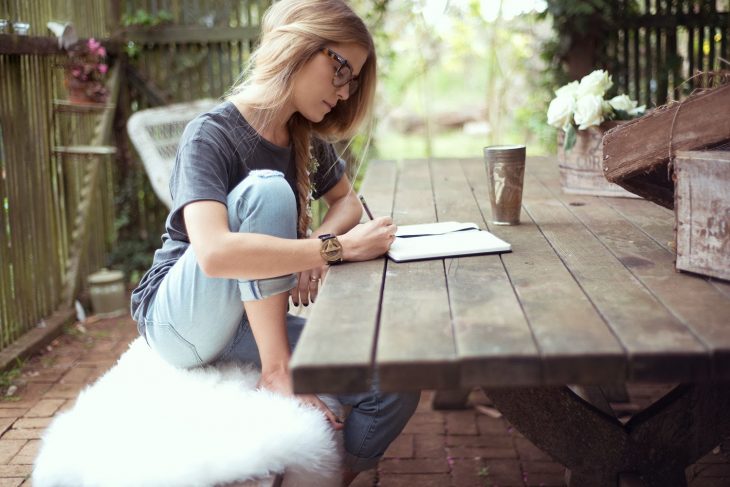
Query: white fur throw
x,y
145,423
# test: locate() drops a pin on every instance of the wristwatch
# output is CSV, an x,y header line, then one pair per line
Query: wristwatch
x,y
331,250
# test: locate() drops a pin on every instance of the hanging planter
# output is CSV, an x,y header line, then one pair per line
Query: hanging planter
x,y
84,92
85,72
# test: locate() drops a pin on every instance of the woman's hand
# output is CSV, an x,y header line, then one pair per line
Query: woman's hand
x,y
308,285
368,240
279,381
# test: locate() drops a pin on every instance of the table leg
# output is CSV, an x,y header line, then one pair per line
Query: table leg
x,y
657,444
450,399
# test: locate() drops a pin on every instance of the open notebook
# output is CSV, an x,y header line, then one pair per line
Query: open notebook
x,y
443,239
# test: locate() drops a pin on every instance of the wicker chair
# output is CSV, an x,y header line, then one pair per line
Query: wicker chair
x,y
155,133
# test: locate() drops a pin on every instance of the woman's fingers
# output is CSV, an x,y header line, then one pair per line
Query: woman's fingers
x,y
314,282
307,287
317,402
280,383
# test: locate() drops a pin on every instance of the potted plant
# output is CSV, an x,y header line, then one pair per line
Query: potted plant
x,y
85,71
583,114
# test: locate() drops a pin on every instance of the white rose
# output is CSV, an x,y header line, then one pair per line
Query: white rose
x,y
638,111
596,83
588,111
560,111
571,89
606,107
622,102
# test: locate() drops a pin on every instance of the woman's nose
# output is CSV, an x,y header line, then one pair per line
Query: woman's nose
x,y
343,92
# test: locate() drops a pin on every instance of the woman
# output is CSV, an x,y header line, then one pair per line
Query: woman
x,y
237,245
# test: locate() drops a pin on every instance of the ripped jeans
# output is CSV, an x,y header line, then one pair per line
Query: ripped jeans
x,y
196,320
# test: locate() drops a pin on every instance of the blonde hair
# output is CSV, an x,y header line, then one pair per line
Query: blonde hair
x,y
294,31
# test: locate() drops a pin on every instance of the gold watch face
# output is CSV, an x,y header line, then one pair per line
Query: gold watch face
x,y
331,250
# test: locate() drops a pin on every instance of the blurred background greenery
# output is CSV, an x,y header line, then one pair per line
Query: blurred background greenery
x,y
457,75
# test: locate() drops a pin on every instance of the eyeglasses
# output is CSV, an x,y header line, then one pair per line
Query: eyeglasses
x,y
343,75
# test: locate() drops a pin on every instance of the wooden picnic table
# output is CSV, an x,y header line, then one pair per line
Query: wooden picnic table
x,y
588,297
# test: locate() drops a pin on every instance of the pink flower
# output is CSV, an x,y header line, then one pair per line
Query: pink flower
x,y
76,72
93,44
101,51
103,68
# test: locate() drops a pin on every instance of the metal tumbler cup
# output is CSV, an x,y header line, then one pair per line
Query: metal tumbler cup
x,y
505,175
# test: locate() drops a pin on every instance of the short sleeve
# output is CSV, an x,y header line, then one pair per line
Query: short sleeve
x,y
330,169
201,172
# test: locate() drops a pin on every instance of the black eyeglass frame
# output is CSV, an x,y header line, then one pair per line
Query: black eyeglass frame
x,y
353,81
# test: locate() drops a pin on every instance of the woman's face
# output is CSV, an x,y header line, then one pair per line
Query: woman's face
x,y
314,95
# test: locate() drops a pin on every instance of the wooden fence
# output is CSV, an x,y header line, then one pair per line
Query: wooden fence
x,y
48,243
198,55
653,53
91,18
40,191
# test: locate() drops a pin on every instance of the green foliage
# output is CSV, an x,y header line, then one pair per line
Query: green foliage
x,y
570,136
132,49
577,21
139,223
144,18
9,376
459,63
484,474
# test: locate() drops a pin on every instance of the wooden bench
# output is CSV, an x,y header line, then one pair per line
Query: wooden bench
x,y
589,297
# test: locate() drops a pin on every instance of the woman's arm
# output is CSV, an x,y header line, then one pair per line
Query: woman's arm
x,y
233,255
344,210
222,253
343,213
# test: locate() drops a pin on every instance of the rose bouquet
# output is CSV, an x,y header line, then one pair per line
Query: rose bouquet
x,y
85,71
582,104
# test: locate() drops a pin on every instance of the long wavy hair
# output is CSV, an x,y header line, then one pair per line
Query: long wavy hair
x,y
292,32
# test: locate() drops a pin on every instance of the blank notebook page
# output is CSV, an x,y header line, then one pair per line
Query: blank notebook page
x,y
443,239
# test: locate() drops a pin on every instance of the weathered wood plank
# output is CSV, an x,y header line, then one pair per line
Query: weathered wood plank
x,y
15,44
694,300
650,218
660,347
581,167
185,34
634,154
574,342
494,342
81,230
415,347
702,204
335,350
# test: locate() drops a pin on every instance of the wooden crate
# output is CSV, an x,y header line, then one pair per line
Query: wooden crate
x,y
702,207
581,168
636,154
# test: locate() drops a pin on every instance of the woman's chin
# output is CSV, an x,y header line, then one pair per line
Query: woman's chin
x,y
314,117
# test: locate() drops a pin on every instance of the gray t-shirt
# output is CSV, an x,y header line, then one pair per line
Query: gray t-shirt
x,y
217,151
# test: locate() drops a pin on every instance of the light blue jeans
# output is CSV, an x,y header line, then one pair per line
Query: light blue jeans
x,y
197,320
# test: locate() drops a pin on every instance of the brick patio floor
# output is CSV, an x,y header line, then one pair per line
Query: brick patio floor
x,y
437,448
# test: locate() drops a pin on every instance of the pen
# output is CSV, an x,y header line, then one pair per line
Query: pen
x,y
365,205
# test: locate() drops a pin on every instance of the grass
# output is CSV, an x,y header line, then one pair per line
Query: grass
x,y
484,474
8,378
